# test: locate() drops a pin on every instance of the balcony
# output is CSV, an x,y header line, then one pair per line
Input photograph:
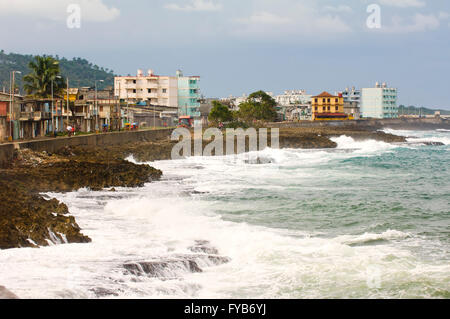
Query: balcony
x,y
37,116
26,116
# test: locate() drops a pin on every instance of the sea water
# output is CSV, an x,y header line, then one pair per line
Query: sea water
x,y
365,220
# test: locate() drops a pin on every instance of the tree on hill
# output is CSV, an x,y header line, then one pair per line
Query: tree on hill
x,y
44,71
220,113
259,107
81,72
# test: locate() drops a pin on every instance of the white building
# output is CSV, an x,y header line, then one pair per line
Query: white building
x,y
351,95
293,97
158,90
379,102
235,101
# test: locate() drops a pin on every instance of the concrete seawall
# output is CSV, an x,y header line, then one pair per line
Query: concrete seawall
x,y
54,144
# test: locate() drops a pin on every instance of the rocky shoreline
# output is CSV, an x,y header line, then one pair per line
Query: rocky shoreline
x,y
29,219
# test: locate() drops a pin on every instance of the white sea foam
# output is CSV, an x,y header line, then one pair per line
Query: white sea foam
x,y
371,237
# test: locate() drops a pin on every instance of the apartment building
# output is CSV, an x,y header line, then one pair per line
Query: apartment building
x,y
293,97
150,88
351,95
379,102
188,95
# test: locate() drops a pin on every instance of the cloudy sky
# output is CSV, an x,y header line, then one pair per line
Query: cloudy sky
x,y
238,46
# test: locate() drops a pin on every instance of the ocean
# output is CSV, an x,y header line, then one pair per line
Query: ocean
x,y
365,220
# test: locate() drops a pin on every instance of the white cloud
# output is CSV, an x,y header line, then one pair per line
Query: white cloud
x,y
265,18
91,10
420,23
444,15
340,8
196,5
403,3
303,18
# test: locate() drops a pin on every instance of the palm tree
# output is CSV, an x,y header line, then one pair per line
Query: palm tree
x,y
44,71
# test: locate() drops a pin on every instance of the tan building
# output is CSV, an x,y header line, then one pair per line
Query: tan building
x,y
155,89
327,107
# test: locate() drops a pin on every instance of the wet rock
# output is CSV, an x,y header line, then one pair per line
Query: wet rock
x,y
29,220
203,246
218,260
163,268
103,292
433,143
6,294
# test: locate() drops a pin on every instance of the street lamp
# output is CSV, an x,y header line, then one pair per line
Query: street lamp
x,y
53,117
96,106
11,104
67,95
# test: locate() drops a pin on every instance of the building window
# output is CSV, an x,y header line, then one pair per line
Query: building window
x,y
149,90
316,100
337,108
134,81
324,108
134,90
329,108
337,100
164,90
316,108
329,100
324,100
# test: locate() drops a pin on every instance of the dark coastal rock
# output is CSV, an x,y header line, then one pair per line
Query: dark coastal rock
x,y
27,219
203,246
103,292
175,265
163,268
433,143
6,294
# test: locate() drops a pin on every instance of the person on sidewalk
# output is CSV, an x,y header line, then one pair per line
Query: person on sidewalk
x,y
69,130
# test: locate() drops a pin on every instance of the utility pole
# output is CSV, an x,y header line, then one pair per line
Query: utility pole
x,y
128,110
53,117
11,105
67,94
96,105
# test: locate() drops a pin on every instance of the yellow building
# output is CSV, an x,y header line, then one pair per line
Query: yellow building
x,y
327,107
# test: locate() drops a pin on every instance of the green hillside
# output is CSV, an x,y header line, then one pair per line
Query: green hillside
x,y
81,72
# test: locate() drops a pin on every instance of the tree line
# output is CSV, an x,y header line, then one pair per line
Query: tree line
x,y
257,109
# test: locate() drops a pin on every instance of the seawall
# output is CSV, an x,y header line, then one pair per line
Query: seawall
x,y
54,144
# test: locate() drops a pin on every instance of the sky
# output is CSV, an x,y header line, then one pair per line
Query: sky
x,y
240,46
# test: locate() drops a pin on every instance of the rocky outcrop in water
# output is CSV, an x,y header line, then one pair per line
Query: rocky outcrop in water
x,y
27,219
6,294
174,266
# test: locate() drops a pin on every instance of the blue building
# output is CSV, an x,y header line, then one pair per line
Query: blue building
x,y
188,95
379,102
